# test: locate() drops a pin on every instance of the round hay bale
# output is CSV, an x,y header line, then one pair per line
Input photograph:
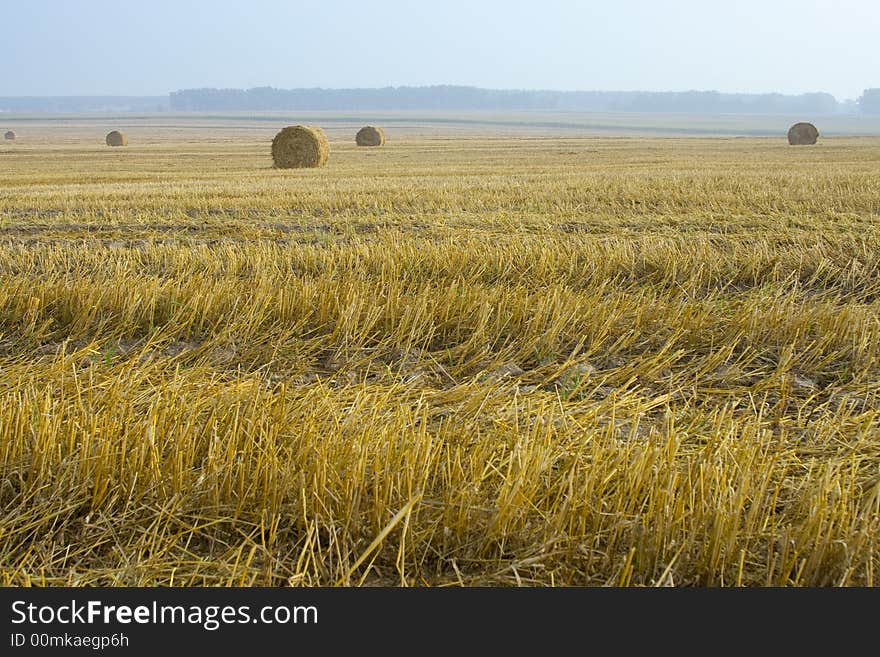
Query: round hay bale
x,y
9,135
802,134
370,136
116,138
299,146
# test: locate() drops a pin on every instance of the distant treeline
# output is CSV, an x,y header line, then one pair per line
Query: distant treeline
x,y
62,104
447,97
870,101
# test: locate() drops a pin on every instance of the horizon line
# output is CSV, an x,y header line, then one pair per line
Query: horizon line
x,y
433,86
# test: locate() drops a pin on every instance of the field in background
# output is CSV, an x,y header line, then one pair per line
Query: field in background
x,y
211,126
459,359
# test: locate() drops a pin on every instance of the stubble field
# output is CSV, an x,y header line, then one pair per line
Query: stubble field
x,y
452,360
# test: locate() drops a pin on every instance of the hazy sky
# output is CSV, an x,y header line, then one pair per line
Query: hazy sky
x,y
122,47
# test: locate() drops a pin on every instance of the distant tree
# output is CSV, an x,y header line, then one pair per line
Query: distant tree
x,y
449,97
869,103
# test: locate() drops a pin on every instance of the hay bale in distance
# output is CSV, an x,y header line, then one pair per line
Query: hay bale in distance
x,y
802,134
300,146
370,136
9,135
116,138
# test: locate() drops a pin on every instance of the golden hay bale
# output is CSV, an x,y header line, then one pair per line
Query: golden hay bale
x,y
802,134
298,146
370,136
116,138
9,135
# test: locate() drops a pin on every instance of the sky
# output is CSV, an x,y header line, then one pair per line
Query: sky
x,y
127,47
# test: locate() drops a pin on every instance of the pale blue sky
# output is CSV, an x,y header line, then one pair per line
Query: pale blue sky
x,y
122,47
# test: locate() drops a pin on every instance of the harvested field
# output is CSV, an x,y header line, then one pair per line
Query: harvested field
x,y
470,361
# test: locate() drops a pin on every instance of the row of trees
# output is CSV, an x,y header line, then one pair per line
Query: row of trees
x,y
446,97
62,104
869,102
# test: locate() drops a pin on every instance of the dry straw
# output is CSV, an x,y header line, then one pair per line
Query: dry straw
x,y
802,134
299,146
370,136
9,135
116,138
